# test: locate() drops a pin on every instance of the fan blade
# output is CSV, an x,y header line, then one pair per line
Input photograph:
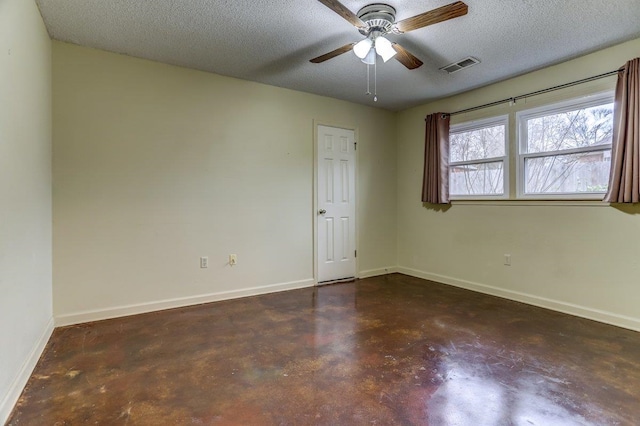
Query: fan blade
x,y
332,54
434,16
406,58
341,10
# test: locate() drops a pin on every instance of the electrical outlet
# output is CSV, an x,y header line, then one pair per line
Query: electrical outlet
x,y
507,260
204,262
233,259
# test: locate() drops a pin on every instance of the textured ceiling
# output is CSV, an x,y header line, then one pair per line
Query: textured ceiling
x,y
271,41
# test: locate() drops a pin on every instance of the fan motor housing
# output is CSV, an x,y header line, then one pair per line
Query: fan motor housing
x,y
378,17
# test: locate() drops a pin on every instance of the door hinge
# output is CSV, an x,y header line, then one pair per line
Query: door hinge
x,y
355,145
355,253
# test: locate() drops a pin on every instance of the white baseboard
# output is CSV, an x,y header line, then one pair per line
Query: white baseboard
x,y
377,272
555,305
11,397
141,308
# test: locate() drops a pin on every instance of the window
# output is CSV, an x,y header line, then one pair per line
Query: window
x,y
479,159
565,149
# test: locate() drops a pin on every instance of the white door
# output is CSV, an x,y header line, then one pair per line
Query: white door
x,y
336,210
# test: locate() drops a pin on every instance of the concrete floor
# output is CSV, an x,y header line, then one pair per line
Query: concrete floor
x,y
382,351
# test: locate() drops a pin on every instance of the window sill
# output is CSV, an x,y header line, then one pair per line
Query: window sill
x,y
524,203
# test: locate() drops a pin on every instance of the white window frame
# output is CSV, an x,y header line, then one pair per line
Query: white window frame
x,y
521,144
477,125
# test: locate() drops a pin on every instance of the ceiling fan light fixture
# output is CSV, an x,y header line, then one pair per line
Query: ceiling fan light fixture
x,y
385,48
362,48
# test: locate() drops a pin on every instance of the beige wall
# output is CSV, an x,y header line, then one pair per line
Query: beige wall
x,y
25,195
581,259
156,165
147,179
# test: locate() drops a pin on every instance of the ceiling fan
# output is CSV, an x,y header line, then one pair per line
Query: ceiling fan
x,y
376,20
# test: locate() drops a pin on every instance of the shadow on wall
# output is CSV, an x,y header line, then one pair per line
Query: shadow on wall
x,y
627,208
436,207
633,209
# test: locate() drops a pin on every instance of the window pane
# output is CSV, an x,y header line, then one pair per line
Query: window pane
x,y
580,173
477,144
477,179
573,129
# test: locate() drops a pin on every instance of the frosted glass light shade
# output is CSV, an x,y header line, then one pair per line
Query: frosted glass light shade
x,y
385,48
370,59
362,48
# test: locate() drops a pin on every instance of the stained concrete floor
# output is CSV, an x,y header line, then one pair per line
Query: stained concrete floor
x,y
390,350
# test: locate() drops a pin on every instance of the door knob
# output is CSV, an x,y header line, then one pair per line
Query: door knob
x,y
322,211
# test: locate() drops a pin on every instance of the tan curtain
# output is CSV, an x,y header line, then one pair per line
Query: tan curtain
x,y
624,180
435,182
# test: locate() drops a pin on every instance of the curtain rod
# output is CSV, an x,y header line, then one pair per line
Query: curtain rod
x,y
537,92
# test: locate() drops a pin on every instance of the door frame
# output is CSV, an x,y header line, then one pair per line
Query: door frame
x,y
314,211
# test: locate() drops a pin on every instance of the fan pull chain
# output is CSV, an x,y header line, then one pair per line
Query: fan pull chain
x,y
375,81
368,79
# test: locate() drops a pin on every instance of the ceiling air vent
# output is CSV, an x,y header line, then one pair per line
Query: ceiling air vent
x,y
461,64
